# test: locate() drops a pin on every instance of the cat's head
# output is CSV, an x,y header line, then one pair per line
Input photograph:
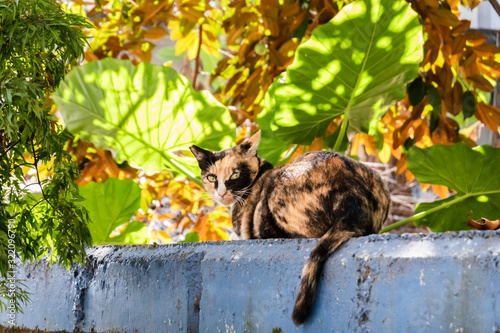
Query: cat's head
x,y
227,174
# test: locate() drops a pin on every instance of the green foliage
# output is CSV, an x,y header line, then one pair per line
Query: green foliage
x,y
472,173
356,65
37,43
191,237
13,294
145,113
111,204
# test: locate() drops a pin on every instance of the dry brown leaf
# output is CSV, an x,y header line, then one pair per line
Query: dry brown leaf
x,y
155,33
480,83
475,38
482,223
444,17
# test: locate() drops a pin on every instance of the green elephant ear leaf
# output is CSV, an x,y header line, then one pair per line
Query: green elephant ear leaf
x,y
110,204
144,113
474,175
356,65
136,232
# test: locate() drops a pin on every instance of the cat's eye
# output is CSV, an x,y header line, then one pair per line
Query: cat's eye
x,y
211,178
235,175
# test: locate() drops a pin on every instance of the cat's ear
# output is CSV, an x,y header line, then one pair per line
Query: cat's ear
x,y
249,147
201,155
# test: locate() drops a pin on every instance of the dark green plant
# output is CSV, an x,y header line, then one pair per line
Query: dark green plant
x,y
38,43
472,173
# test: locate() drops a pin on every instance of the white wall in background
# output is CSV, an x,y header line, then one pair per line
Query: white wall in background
x,y
481,17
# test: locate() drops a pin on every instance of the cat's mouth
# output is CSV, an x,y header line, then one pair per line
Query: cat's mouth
x,y
227,200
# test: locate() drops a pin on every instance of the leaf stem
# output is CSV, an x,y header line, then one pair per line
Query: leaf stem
x,y
423,214
343,128
345,121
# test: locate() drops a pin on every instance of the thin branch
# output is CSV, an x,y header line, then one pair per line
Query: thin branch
x,y
32,207
197,66
9,147
496,6
35,164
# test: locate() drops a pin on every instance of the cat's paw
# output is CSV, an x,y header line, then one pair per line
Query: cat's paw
x,y
233,237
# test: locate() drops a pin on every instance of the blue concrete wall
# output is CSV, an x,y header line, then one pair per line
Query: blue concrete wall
x,y
380,283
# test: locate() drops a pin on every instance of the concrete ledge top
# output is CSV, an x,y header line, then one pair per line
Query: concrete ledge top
x,y
442,282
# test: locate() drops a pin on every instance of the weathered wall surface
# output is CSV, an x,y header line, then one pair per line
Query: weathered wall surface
x,y
380,283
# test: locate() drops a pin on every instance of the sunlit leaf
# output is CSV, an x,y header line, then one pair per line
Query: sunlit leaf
x,y
145,113
356,65
473,173
191,237
110,204
136,232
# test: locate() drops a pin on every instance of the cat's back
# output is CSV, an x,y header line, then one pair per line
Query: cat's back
x,y
323,168
319,188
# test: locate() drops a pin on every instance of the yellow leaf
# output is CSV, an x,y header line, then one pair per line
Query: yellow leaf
x,y
385,153
222,219
162,236
188,43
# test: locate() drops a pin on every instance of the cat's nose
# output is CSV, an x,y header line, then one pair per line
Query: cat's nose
x,y
222,194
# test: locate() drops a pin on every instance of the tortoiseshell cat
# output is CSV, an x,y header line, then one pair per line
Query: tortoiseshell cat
x,y
317,195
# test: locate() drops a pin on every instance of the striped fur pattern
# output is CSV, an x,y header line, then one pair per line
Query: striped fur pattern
x,y
321,194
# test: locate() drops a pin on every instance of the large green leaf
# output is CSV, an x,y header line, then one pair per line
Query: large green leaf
x,y
136,232
356,65
473,173
110,204
144,113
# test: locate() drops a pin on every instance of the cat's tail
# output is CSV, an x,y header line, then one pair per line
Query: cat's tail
x,y
312,271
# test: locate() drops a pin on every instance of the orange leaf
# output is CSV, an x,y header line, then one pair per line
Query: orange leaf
x,y
488,72
290,10
460,29
317,144
155,33
425,187
420,131
473,3
458,44
288,48
444,17
480,83
401,165
475,38
409,176
440,190
492,64
487,49
489,115
432,3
